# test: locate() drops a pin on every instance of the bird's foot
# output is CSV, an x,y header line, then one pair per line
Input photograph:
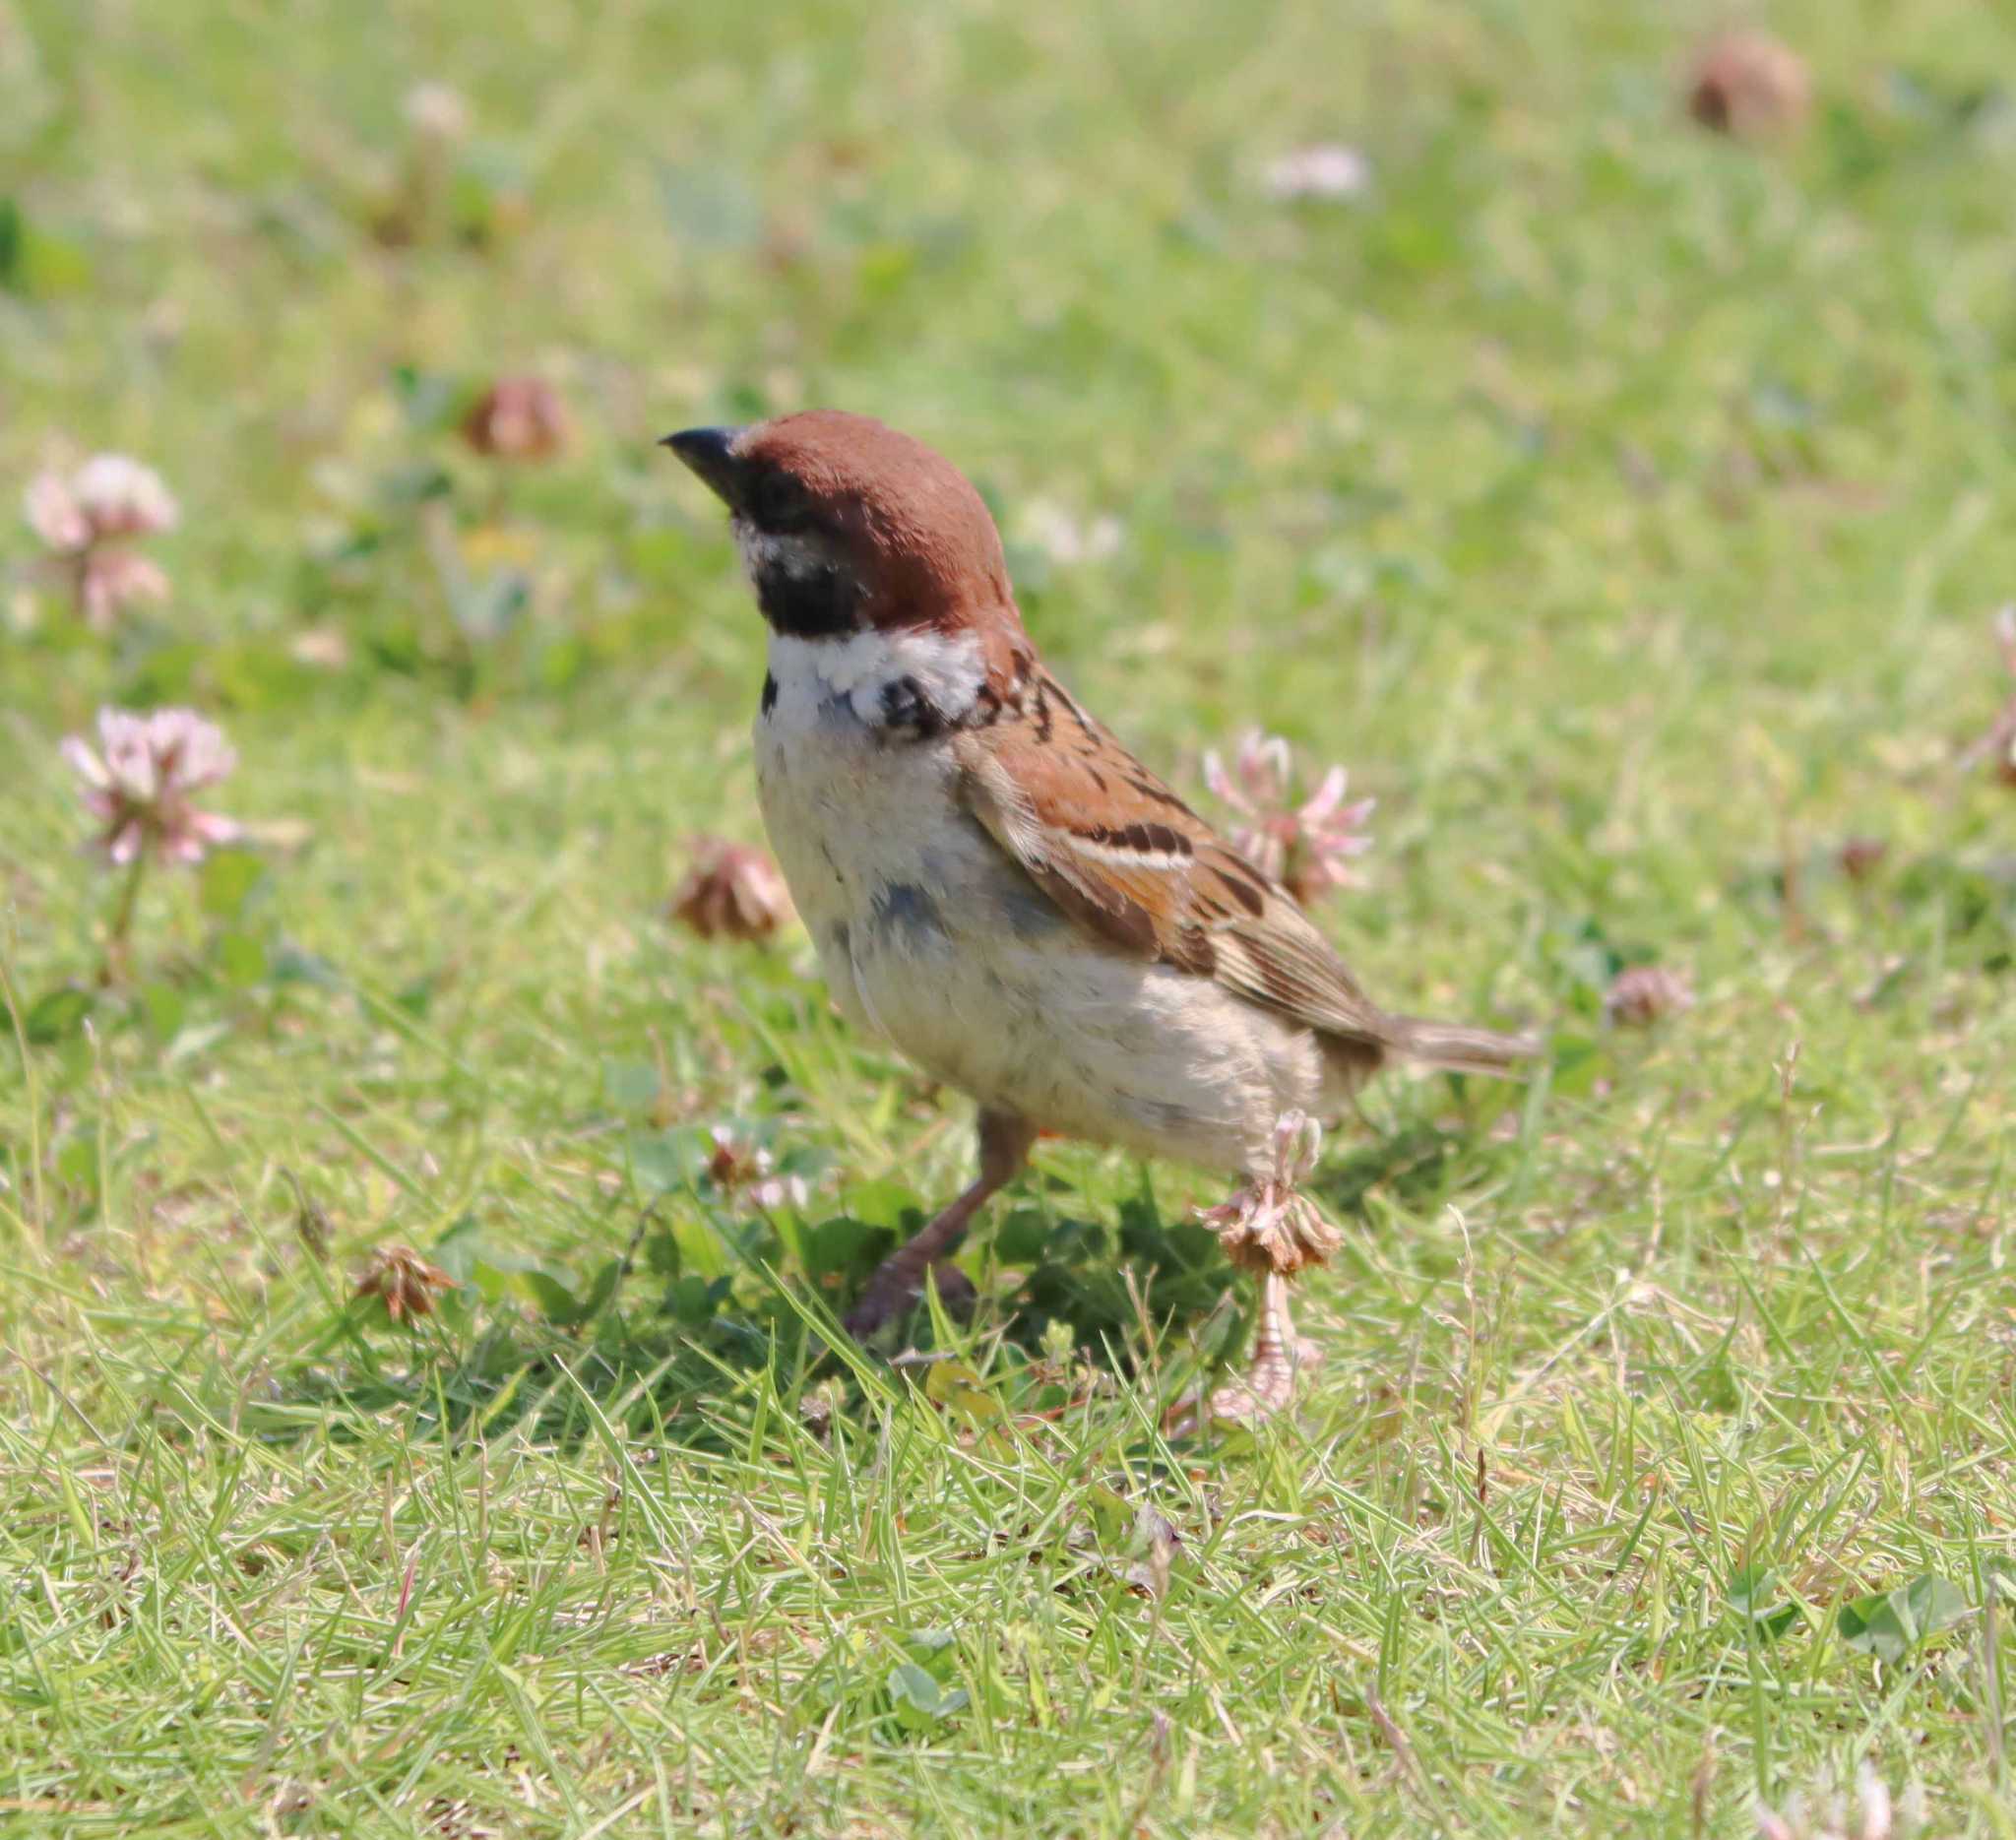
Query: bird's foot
x,y
898,1281
893,1291
1268,1387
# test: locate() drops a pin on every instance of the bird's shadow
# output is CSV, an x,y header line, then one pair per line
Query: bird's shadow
x,y
664,1360
656,1366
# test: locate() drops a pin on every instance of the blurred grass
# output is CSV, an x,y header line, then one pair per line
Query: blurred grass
x,y
1624,505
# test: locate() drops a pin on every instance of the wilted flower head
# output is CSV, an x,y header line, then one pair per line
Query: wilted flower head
x,y
140,780
1269,1225
1327,169
1862,856
1065,539
1306,848
1746,85
1642,995
1999,744
404,1280
731,889
436,111
817,1405
518,419
80,516
743,1170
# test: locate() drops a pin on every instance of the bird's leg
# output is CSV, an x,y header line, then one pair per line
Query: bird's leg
x,y
1279,1356
1270,1228
898,1281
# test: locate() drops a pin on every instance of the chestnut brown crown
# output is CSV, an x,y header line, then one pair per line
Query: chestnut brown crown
x,y
845,524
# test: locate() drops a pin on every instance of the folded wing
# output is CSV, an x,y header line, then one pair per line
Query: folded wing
x,y
1126,858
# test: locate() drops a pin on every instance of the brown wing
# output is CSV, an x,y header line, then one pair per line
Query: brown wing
x,y
1126,858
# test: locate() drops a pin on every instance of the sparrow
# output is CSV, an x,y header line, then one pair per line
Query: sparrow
x,y
997,887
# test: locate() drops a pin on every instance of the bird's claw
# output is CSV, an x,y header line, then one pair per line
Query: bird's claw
x,y
1268,1387
893,1293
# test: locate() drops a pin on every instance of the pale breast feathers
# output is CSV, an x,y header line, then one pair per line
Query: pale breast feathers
x,y
1099,835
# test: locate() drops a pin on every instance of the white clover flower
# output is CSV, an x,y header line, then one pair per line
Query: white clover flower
x,y
1327,169
82,518
1068,541
138,782
435,111
1306,848
746,1171
120,497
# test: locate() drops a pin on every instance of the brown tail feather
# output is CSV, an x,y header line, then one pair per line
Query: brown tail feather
x,y
1459,1049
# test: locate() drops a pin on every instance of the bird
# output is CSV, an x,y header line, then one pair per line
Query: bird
x,y
997,887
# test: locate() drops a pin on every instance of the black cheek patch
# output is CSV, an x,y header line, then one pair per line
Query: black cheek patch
x,y
906,706
821,605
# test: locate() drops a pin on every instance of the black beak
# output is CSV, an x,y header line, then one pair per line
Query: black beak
x,y
710,452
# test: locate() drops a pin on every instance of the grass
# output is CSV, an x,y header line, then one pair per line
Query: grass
x,y
1623,504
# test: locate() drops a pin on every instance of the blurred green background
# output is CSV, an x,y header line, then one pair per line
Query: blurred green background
x,y
1622,501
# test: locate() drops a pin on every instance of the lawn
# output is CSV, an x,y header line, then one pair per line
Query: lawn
x,y
1624,503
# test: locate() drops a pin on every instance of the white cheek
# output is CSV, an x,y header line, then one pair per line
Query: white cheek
x,y
950,672
760,549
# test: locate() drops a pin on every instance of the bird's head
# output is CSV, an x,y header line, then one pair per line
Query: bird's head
x,y
847,526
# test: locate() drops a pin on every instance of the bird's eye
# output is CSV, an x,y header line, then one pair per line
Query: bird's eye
x,y
782,503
